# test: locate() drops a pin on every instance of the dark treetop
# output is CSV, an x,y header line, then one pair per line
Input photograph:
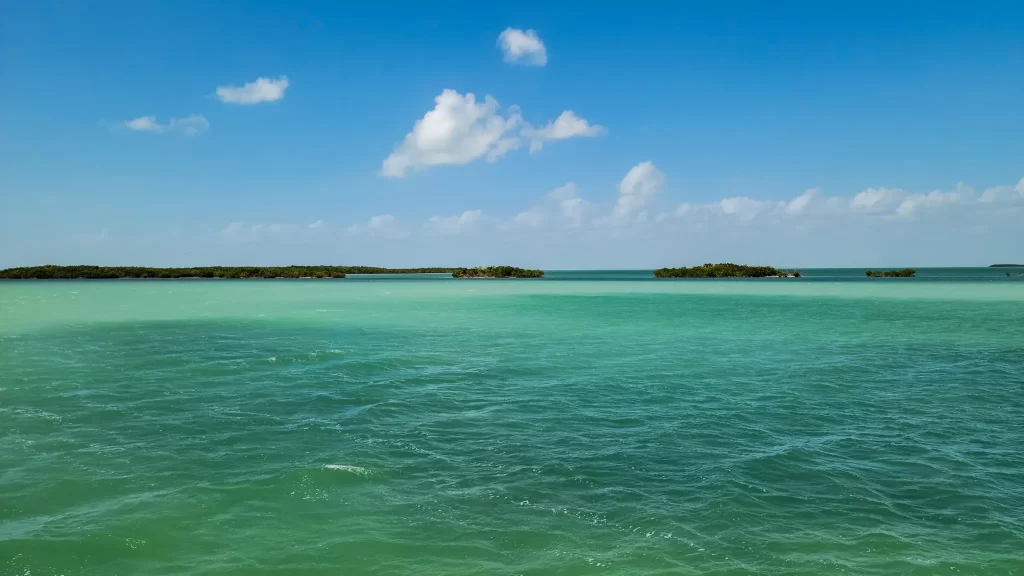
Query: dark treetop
x,y
726,270
1007,266
496,272
905,273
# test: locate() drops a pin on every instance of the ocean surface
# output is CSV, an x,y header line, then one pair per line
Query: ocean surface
x,y
587,423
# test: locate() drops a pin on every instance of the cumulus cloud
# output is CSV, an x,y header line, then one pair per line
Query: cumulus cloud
x,y
457,131
798,205
260,90
563,192
872,202
567,125
451,225
188,126
530,218
318,225
572,207
461,129
935,198
1002,193
876,199
560,205
637,189
747,208
523,47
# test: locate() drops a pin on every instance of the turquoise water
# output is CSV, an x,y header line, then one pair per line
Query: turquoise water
x,y
582,424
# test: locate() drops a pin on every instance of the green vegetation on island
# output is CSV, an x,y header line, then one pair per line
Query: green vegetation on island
x,y
905,273
1006,266
114,272
52,272
725,270
496,272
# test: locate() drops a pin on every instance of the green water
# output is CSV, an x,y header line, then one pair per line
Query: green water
x,y
601,424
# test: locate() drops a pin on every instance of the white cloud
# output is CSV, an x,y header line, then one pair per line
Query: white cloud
x,y
746,208
798,205
318,225
145,124
529,218
995,194
935,198
381,222
383,225
641,183
572,207
567,125
261,90
1020,187
242,232
523,47
450,225
189,125
457,131
876,199
564,192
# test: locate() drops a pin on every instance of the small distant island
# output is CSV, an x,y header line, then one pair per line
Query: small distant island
x,y
53,272
1006,266
905,273
725,270
496,272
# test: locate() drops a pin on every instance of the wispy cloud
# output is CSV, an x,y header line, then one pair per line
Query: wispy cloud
x,y
255,92
188,126
523,47
468,221
383,226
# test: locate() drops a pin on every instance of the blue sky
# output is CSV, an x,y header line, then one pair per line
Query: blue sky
x,y
788,133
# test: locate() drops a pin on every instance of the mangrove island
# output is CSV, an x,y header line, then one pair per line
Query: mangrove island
x,y
52,272
496,272
726,270
905,273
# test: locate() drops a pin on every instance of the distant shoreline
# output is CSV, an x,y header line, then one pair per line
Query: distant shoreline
x,y
89,272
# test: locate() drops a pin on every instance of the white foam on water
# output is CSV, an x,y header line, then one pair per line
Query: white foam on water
x,y
346,468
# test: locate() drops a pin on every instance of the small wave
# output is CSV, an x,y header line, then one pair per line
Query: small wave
x,y
350,469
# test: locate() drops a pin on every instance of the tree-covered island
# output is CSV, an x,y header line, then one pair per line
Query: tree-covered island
x,y
114,272
726,270
905,273
52,272
497,272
